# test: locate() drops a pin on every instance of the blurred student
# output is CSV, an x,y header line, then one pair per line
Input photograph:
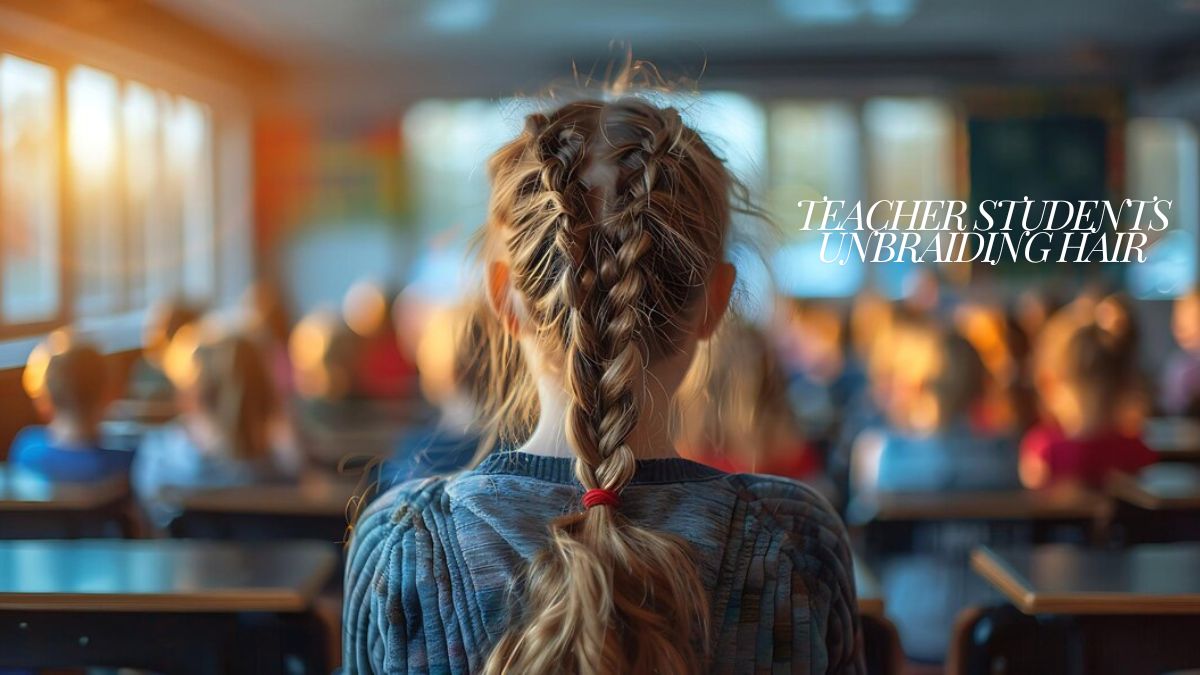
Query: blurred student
x,y
997,343
1089,390
269,322
872,324
810,338
69,383
323,352
148,383
384,371
230,430
453,371
1180,384
935,441
938,439
734,409
604,253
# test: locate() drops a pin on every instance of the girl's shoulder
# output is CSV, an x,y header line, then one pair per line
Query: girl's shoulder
x,y
403,499
785,502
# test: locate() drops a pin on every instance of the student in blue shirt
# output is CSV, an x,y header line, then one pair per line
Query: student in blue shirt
x,y
935,442
69,383
230,431
455,379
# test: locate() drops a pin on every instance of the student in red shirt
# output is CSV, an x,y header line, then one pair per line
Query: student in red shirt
x,y
734,409
1089,390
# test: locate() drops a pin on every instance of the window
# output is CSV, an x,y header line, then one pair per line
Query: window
x,y
29,179
910,142
137,186
92,137
786,151
1162,160
145,207
189,170
814,154
448,146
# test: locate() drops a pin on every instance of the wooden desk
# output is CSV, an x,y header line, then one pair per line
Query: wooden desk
x,y
317,509
897,523
168,606
24,491
1053,504
34,507
1101,612
161,575
1160,487
318,497
1161,504
1176,439
1058,579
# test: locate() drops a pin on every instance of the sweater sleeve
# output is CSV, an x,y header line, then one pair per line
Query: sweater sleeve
x,y
843,636
374,633
364,633
823,571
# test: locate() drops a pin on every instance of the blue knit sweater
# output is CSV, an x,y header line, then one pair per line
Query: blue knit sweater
x,y
430,578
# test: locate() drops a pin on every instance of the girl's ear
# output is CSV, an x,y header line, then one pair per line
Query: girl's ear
x,y
499,292
716,298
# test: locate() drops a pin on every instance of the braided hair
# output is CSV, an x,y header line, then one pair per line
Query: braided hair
x,y
612,217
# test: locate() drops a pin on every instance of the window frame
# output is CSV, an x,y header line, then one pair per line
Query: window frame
x,y
228,111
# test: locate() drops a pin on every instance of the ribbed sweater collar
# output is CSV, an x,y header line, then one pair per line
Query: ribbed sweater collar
x,y
562,469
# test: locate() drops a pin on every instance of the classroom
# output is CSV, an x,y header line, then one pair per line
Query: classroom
x,y
551,337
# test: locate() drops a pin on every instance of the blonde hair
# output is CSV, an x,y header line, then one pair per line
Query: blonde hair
x,y
1085,371
735,399
231,383
1099,379
608,268
940,377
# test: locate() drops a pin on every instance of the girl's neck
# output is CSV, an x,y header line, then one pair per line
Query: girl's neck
x,y
650,439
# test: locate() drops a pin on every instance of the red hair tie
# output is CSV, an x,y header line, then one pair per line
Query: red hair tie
x,y
600,497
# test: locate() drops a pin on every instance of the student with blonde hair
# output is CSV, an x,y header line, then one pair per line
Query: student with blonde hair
x,y
593,547
68,380
456,376
230,430
935,440
734,412
1093,401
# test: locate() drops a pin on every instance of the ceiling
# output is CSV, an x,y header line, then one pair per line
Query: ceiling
x,y
407,32
366,54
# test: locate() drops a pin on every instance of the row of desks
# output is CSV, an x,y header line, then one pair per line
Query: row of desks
x,y
49,580
164,605
51,593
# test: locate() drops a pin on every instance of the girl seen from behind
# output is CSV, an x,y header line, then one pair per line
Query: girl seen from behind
x,y
230,430
935,440
593,548
1093,401
734,409
69,383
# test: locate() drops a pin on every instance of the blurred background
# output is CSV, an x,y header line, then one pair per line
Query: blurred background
x,y
317,168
